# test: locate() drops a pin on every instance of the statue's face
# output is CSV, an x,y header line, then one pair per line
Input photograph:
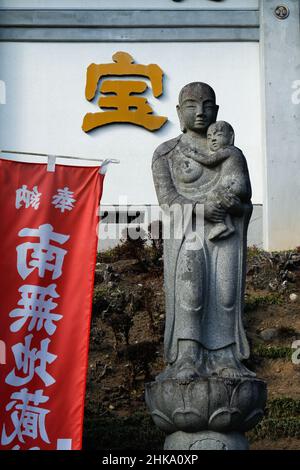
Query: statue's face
x,y
218,139
197,114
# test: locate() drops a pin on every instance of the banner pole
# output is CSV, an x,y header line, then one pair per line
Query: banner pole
x,y
99,160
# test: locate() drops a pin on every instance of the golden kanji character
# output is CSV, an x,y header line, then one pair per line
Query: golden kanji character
x,y
124,106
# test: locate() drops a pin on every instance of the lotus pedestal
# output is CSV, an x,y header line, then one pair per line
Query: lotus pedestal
x,y
210,413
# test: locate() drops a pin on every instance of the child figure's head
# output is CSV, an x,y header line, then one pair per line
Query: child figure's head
x,y
220,135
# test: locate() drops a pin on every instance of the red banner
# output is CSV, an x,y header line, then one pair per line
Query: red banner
x,y
48,251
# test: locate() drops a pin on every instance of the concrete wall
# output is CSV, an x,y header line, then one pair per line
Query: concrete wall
x,y
273,160
280,66
132,4
45,105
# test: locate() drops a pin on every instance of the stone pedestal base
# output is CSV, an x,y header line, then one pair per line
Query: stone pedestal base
x,y
206,413
206,440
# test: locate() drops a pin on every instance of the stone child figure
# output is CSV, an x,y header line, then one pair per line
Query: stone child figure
x,y
220,140
204,287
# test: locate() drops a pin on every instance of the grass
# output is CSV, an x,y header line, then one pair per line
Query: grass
x,y
282,419
274,429
283,408
138,431
252,302
273,352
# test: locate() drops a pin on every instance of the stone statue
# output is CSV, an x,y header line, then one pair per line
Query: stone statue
x,y
204,331
205,341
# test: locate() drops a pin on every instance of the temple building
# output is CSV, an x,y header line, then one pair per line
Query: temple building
x,y
100,79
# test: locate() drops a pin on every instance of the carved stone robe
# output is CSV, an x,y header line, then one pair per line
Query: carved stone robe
x,y
204,288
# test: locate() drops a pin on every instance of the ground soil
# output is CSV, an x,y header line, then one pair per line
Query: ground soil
x,y
119,367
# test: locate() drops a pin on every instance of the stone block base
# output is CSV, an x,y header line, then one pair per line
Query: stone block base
x,y
206,440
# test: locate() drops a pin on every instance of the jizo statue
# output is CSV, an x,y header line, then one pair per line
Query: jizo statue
x,y
204,334
206,398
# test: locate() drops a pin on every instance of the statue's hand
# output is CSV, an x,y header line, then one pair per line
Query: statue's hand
x,y
214,212
231,203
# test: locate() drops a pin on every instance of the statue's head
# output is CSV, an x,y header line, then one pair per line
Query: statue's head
x,y
197,108
220,135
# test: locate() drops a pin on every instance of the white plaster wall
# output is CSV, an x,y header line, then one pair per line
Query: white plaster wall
x,y
131,4
45,105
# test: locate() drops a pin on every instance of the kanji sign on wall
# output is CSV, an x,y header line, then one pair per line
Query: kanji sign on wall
x,y
122,98
48,251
